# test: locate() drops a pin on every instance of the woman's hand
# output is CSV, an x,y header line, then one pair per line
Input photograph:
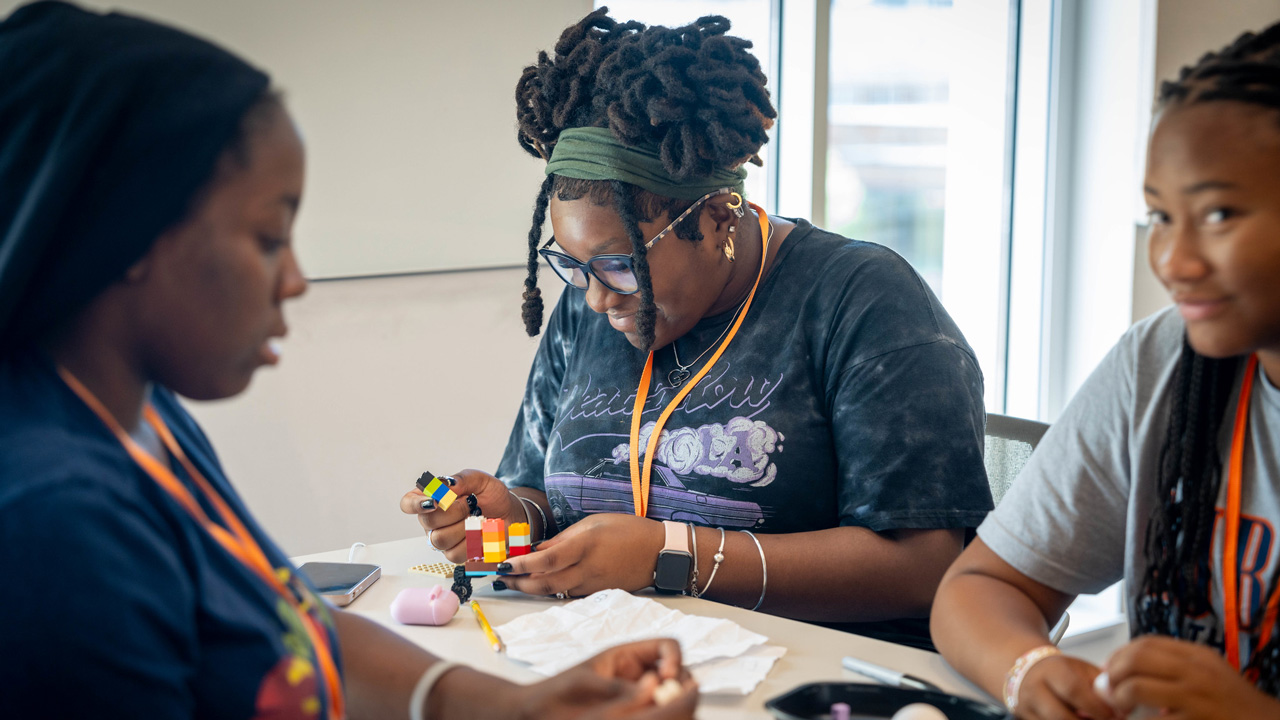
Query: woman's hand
x,y
444,527
1188,681
601,551
1061,688
617,683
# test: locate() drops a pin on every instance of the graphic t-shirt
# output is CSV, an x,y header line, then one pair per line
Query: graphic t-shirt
x,y
119,604
1076,518
848,397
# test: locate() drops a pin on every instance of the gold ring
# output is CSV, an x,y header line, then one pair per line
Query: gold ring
x,y
734,207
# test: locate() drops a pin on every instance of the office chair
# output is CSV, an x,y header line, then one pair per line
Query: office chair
x,y
1009,442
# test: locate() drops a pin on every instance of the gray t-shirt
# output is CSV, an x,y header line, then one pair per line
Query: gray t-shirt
x,y
1076,518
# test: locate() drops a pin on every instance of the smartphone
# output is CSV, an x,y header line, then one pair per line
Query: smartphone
x,y
340,582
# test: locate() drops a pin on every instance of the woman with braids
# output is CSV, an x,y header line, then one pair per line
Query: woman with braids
x,y
793,409
148,186
1165,468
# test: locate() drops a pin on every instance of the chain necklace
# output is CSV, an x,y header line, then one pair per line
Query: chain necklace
x,y
681,373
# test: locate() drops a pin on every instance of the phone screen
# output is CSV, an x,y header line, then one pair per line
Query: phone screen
x,y
330,578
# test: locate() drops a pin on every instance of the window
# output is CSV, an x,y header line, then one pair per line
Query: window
x,y
895,126
916,159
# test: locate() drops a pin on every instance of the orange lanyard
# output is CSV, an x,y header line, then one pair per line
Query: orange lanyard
x,y
1231,536
238,541
640,479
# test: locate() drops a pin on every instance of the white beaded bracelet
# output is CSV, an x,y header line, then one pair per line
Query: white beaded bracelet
x,y
1013,679
418,700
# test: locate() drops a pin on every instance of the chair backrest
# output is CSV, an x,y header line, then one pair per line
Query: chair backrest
x,y
1009,442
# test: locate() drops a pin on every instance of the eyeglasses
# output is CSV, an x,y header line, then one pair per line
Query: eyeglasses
x,y
616,272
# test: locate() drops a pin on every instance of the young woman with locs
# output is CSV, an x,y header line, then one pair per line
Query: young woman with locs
x,y
148,187
792,408
1164,470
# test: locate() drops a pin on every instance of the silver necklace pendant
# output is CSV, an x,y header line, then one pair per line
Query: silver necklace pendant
x,y
678,376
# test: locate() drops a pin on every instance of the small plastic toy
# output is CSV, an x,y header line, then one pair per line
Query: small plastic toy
x,y
436,489
489,542
424,606
439,569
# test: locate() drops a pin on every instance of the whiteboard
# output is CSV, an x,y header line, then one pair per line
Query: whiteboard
x,y
408,113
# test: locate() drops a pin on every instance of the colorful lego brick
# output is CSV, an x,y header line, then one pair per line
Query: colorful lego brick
x,y
441,569
440,492
494,529
494,535
479,568
475,543
519,539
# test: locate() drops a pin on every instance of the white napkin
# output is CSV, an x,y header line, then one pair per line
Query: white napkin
x,y
723,656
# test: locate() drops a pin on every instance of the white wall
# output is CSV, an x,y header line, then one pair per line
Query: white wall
x,y
407,108
381,379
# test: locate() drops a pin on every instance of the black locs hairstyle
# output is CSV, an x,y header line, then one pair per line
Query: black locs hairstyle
x,y
1180,530
693,92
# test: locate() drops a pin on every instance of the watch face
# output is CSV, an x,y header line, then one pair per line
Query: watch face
x,y
672,571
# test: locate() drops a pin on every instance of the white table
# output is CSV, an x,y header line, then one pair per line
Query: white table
x,y
813,653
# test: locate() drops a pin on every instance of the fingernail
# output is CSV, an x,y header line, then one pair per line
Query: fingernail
x,y
504,567
451,480
499,585
428,504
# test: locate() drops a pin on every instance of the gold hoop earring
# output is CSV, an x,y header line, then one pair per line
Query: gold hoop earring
x,y
737,209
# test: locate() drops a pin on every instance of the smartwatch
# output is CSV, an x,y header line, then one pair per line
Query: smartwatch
x,y
675,564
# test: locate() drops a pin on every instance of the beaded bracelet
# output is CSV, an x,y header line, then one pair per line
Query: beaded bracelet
x,y
1013,679
718,558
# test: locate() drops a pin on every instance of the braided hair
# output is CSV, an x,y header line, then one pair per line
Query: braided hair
x,y
693,92
1180,530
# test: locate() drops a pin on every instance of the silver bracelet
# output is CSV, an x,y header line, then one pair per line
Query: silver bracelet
x,y
764,568
418,700
718,558
693,579
536,506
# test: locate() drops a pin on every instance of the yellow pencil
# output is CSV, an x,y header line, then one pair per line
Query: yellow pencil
x,y
494,642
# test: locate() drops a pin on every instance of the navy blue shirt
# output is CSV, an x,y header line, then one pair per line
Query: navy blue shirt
x,y
117,603
848,397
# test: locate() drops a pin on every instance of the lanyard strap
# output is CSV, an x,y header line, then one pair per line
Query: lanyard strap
x,y
640,478
237,540
1231,532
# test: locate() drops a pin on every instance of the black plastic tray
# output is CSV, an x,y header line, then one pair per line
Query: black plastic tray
x,y
814,701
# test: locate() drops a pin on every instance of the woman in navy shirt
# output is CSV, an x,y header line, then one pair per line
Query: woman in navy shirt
x,y
148,186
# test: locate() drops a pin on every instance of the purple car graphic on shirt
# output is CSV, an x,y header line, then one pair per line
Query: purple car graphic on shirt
x,y
606,487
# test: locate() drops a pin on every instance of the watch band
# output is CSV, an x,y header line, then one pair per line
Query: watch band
x,y
677,537
674,564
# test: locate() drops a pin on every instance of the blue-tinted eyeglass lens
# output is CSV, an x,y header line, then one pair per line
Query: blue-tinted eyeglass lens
x,y
568,270
616,273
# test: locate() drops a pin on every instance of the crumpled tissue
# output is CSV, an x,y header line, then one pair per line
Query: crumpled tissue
x,y
723,656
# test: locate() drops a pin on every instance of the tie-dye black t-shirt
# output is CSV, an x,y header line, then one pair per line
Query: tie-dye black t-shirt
x,y
848,397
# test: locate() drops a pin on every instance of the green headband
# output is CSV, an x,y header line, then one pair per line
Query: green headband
x,y
592,153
